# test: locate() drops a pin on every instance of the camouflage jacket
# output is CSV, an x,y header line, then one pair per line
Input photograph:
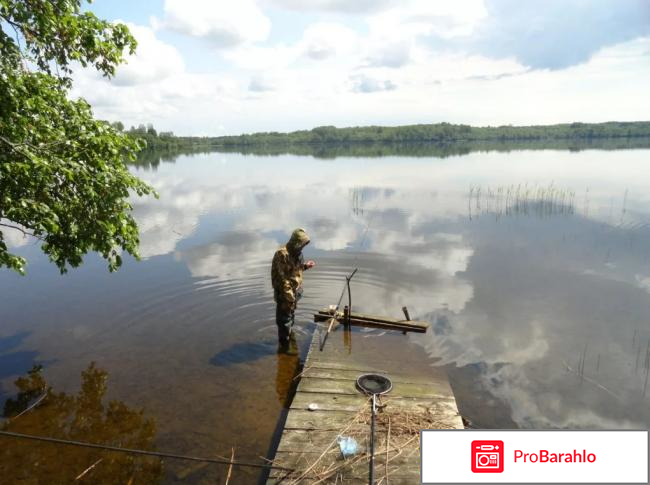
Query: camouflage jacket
x,y
286,275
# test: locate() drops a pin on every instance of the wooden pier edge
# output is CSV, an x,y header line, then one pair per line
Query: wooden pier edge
x,y
328,381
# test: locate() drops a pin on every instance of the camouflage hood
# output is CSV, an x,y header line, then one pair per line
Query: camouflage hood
x,y
299,239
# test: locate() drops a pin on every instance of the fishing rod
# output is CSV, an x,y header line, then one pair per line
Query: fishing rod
x,y
133,451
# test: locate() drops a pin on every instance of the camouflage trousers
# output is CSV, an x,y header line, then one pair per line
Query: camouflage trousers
x,y
284,317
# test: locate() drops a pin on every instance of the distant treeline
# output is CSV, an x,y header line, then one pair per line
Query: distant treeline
x,y
439,140
166,140
433,149
441,133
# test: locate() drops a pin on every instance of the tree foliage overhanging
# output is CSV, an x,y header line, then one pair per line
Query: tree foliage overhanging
x,y
63,177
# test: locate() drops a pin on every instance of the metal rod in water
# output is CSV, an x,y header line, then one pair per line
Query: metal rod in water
x,y
347,284
347,320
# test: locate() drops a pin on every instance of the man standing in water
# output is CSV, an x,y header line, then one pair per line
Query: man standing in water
x,y
286,275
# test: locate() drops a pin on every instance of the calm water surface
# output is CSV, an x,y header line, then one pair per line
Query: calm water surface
x,y
532,267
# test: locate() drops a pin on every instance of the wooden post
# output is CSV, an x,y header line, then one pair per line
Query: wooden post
x,y
406,314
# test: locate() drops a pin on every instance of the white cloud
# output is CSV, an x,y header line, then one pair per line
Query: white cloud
x,y
223,259
13,237
262,58
260,84
224,26
539,34
643,282
319,42
154,86
331,234
339,6
365,84
424,17
391,54
323,40
177,212
154,60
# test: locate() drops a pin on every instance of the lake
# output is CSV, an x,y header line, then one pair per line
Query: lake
x,y
531,265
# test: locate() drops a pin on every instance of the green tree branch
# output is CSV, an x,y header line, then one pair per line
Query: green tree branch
x,y
63,177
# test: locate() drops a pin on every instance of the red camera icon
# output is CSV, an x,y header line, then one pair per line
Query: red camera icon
x,y
487,456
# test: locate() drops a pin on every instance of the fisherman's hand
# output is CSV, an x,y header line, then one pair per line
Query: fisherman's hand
x,y
310,264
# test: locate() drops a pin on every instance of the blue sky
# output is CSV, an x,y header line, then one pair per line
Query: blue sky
x,y
211,68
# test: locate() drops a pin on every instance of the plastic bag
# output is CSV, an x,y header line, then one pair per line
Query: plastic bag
x,y
348,445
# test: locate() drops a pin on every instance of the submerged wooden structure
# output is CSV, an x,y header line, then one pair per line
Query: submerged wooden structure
x,y
328,405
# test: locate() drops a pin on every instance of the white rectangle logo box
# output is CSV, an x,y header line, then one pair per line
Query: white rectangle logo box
x,y
619,456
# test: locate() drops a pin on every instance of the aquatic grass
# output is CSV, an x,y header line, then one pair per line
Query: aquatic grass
x,y
514,200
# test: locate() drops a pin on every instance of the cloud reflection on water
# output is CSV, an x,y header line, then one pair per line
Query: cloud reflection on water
x,y
519,294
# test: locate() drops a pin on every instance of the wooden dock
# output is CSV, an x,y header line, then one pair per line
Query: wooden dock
x,y
421,398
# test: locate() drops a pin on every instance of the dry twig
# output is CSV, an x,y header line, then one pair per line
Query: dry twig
x,y
83,473
232,459
352,422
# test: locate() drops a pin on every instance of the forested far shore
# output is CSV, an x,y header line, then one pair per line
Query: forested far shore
x,y
436,149
443,132
423,133
152,158
166,140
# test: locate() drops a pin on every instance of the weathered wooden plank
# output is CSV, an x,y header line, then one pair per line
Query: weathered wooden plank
x,y
444,415
394,480
333,455
343,402
315,441
433,390
361,479
405,464
399,466
397,373
355,320
317,372
360,367
336,402
372,318
359,322
326,420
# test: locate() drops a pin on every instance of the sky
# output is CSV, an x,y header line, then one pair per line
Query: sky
x,y
206,67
